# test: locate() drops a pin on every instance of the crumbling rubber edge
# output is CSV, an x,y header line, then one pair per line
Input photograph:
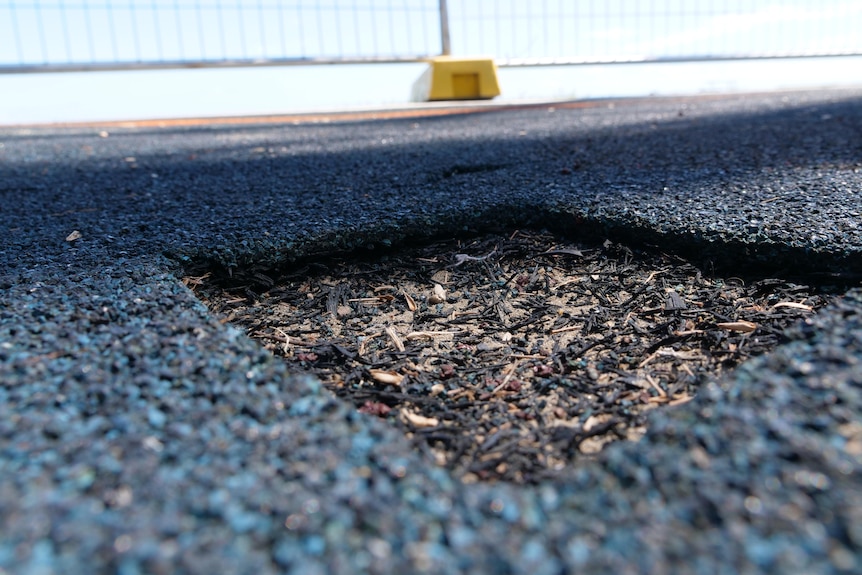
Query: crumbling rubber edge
x,y
263,259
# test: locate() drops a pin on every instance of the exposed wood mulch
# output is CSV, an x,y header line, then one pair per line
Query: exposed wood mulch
x,y
508,358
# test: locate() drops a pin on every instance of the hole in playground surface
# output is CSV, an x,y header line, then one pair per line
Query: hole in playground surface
x,y
509,357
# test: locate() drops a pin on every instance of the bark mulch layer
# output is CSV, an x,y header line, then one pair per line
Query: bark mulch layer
x,y
510,357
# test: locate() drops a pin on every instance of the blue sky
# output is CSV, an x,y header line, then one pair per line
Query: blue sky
x,y
61,32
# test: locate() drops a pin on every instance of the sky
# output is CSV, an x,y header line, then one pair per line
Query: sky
x,y
76,33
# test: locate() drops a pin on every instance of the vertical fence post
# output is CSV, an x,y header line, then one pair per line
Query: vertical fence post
x,y
445,49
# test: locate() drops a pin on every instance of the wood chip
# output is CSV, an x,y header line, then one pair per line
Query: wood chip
x,y
661,392
681,399
429,334
563,252
411,303
686,332
419,421
567,328
388,377
439,295
75,235
510,371
740,326
367,300
794,305
393,335
674,302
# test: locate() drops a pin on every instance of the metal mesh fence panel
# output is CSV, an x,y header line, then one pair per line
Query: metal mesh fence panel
x,y
56,35
606,31
110,34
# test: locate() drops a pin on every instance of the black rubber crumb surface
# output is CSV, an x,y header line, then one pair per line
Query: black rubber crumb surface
x,y
139,433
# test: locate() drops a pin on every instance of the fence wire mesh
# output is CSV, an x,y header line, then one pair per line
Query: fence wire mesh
x,y
61,35
600,31
103,34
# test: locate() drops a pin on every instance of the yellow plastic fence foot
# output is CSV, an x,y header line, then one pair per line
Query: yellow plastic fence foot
x,y
449,78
